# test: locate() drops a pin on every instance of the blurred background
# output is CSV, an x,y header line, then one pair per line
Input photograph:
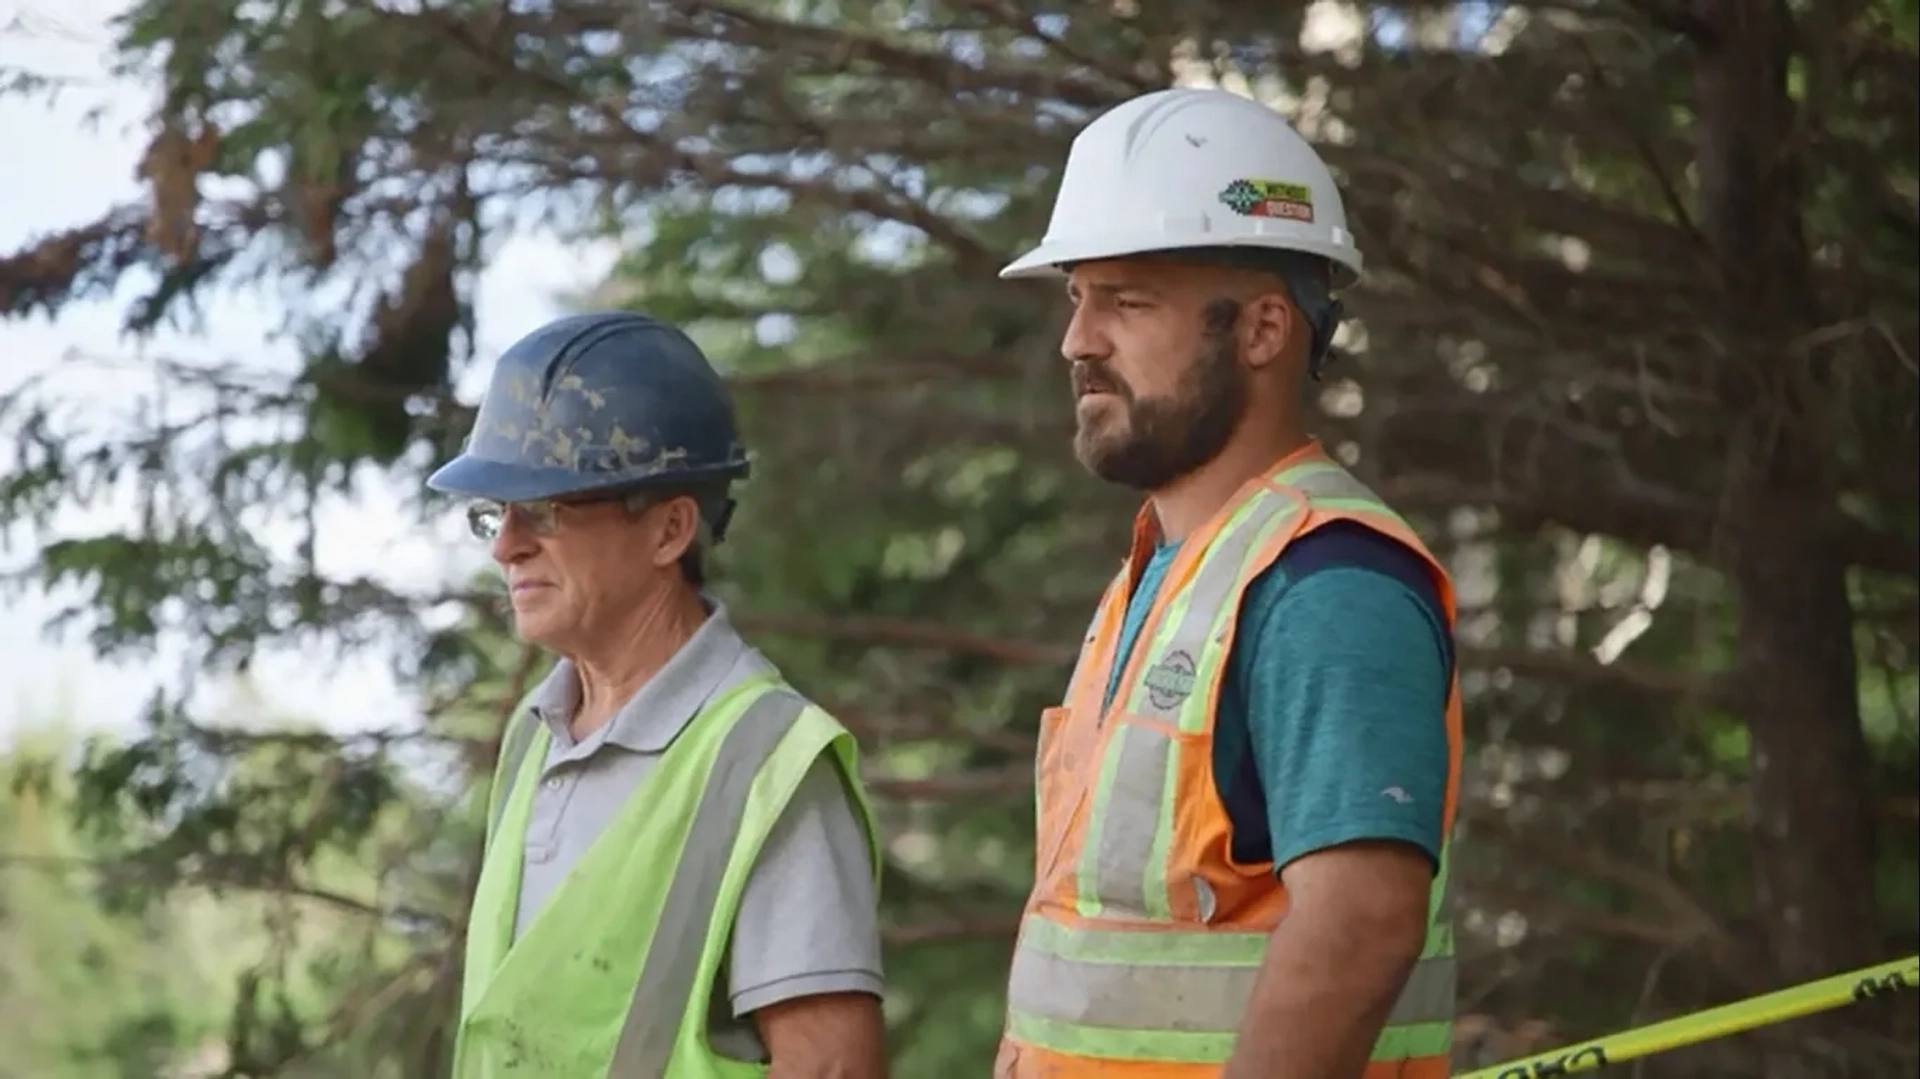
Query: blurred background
x,y
1635,349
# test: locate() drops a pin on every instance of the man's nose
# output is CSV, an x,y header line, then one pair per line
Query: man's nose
x,y
515,542
1083,342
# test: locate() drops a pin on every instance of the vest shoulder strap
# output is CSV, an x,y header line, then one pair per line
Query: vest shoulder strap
x,y
1327,481
522,726
665,989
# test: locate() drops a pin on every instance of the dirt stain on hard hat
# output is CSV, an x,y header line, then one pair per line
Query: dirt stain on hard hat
x,y
596,399
557,439
626,447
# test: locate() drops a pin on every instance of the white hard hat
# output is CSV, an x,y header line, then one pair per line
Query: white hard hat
x,y
1190,168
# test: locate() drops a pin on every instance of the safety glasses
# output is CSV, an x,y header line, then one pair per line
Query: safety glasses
x,y
542,517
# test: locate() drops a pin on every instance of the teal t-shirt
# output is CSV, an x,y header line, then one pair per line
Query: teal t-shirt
x,y
1332,719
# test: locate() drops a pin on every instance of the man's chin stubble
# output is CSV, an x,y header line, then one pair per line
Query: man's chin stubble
x,y
1114,464
1092,451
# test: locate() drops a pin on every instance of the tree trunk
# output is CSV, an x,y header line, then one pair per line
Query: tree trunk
x,y
1811,817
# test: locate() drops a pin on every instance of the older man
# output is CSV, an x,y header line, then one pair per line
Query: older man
x,y
680,870
1246,795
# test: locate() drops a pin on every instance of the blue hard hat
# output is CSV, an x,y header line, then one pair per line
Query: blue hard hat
x,y
598,403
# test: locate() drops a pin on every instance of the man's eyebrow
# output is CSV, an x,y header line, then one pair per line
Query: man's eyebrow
x,y
1113,288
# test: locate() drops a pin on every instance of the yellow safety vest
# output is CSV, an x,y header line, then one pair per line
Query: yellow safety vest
x,y
612,975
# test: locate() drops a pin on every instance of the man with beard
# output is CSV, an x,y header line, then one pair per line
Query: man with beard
x,y
1246,796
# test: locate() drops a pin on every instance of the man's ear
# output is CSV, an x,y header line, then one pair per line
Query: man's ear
x,y
1269,328
674,528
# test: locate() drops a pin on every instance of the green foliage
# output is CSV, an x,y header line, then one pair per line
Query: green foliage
x,y
150,982
295,888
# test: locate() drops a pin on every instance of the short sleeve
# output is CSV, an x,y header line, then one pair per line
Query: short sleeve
x,y
1346,692
808,922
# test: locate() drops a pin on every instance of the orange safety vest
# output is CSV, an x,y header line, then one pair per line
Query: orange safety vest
x,y
1141,941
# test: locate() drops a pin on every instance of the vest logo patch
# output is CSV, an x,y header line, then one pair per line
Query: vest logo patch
x,y
1170,681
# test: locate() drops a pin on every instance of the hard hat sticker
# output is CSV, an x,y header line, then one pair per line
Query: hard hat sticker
x,y
1269,198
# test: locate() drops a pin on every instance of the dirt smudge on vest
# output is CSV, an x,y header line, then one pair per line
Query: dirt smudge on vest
x,y
518,1054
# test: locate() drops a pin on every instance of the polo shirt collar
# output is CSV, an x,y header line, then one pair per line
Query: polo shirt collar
x,y
712,659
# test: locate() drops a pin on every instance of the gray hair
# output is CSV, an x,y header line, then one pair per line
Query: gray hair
x,y
714,508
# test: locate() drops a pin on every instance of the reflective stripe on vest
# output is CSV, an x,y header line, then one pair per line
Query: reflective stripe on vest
x,y
665,989
1156,990
1178,995
513,753
1122,871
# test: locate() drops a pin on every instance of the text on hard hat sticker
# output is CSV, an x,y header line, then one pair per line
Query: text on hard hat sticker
x,y
1269,198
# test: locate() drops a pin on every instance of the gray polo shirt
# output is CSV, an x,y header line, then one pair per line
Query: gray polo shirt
x,y
807,922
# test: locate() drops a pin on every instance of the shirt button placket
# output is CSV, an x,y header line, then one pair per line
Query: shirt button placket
x,y
550,807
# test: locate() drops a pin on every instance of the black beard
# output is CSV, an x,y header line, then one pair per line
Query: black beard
x,y
1165,438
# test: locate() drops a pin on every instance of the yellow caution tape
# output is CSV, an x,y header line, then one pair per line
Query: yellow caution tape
x,y
1776,1007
